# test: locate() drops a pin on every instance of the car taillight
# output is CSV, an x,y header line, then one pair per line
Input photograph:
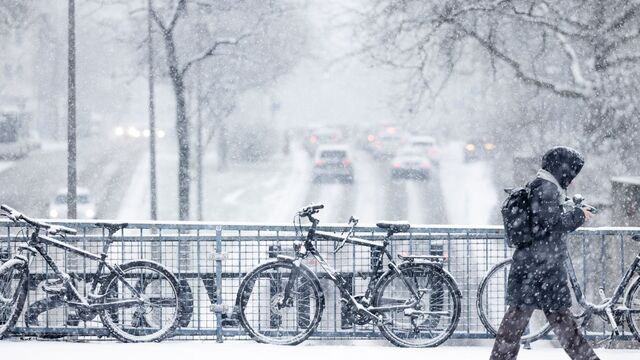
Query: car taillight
x,y
320,163
425,164
433,152
371,138
346,163
313,139
396,165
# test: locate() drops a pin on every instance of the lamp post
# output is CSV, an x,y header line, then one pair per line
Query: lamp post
x,y
152,122
71,115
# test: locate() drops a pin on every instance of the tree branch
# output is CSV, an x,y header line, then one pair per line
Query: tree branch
x,y
576,69
622,60
182,5
624,18
520,73
212,50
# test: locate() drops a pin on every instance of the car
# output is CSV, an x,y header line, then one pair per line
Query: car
x,y
332,162
411,163
86,208
322,136
479,149
429,145
382,141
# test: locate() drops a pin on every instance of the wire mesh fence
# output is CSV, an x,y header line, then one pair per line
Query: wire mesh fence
x,y
210,260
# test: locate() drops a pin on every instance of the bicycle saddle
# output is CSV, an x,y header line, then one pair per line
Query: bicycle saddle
x,y
394,226
112,226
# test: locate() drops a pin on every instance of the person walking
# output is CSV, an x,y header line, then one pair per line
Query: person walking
x,y
538,279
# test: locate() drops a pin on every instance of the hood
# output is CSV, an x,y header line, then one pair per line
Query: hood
x,y
564,163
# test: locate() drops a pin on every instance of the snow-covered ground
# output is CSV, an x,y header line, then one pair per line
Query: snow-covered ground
x,y
370,350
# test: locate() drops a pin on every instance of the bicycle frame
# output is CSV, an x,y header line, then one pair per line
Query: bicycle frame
x,y
618,293
36,244
340,281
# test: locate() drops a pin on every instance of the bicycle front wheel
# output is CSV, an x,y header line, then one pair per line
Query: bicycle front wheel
x,y
434,315
491,302
145,302
13,293
267,315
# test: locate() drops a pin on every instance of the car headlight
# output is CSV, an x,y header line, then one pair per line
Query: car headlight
x,y
470,147
90,213
160,134
53,213
146,132
119,131
489,146
133,132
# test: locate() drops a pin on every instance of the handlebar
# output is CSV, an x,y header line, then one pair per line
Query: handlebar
x,y
310,209
17,216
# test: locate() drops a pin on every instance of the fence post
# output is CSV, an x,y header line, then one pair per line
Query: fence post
x,y
219,283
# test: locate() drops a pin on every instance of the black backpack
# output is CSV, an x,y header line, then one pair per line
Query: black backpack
x,y
516,215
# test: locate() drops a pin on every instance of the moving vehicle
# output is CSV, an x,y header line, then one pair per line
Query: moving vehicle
x,y
86,208
428,145
321,136
411,163
479,149
414,303
332,162
384,142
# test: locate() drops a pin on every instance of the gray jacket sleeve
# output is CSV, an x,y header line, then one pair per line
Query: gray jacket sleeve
x,y
546,211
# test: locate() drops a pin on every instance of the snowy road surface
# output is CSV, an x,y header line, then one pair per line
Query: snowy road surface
x,y
174,350
271,191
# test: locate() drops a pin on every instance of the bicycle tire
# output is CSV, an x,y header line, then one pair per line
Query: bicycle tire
x,y
9,315
492,295
444,296
251,304
632,302
140,329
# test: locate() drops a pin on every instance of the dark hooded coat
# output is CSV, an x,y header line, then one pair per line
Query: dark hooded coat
x,y
538,277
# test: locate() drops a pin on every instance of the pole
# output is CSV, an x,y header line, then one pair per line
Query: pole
x,y
71,116
152,121
199,141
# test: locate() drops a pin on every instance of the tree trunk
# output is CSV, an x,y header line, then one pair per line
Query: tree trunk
x,y
182,128
222,145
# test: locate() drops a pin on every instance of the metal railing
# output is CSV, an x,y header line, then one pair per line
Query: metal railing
x,y
210,260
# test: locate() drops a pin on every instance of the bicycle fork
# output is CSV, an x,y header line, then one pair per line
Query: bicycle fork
x,y
609,312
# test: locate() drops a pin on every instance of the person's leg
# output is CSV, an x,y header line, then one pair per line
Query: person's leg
x,y
512,327
566,328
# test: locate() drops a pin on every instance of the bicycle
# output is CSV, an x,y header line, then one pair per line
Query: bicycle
x,y
623,306
131,313
415,303
39,307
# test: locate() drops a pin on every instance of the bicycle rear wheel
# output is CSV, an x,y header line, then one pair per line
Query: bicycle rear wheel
x,y
632,302
13,293
270,318
159,310
491,302
432,320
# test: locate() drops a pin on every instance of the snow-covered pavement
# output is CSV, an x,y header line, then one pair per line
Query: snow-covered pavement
x,y
370,350
271,191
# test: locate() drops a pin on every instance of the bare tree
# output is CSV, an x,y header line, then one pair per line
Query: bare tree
x,y
235,36
584,50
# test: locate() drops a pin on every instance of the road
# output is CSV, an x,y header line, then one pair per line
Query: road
x,y
116,174
104,167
